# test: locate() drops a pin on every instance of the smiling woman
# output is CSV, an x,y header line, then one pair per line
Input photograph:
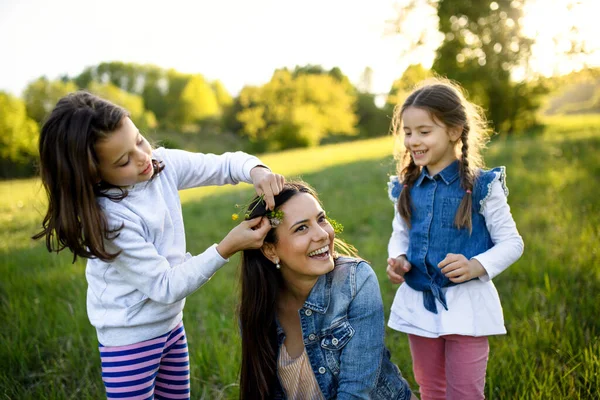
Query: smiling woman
x,y
311,320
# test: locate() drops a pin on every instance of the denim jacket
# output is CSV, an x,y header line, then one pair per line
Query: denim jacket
x,y
343,329
435,200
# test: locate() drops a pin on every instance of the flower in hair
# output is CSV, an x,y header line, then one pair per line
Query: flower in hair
x,y
337,227
275,217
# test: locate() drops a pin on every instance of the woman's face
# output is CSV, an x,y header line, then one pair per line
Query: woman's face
x,y
305,239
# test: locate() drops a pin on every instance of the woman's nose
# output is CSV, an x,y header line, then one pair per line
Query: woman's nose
x,y
321,234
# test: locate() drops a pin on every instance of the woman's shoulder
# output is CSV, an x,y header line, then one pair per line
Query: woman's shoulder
x,y
352,270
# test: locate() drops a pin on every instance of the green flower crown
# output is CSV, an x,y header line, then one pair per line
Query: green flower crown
x,y
276,216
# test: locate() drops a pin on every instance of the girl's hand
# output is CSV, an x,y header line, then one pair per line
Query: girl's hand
x,y
247,235
267,183
397,267
458,269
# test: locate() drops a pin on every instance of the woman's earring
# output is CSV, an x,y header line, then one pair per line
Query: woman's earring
x,y
277,265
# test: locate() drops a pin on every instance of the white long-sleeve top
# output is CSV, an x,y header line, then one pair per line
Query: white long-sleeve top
x,y
474,307
140,295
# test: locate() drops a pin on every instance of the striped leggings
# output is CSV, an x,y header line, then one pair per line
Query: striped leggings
x,y
158,368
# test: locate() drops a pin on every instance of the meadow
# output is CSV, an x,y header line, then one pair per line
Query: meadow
x,y
551,296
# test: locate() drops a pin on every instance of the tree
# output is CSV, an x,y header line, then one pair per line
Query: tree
x,y
198,101
296,109
482,45
18,132
223,97
133,103
402,87
41,96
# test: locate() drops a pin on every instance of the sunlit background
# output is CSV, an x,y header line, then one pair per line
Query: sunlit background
x,y
241,42
310,87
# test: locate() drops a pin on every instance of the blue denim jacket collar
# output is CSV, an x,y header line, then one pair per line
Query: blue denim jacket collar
x,y
318,298
448,174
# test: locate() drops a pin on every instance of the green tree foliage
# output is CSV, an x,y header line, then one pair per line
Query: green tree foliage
x,y
483,43
41,95
372,120
224,99
18,132
133,103
198,101
296,109
402,87
177,100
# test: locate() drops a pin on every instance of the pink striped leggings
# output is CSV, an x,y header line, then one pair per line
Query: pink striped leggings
x,y
450,367
158,368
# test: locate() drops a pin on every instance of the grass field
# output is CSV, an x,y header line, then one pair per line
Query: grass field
x,y
551,296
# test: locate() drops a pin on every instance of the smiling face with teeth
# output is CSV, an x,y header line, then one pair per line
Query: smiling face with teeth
x,y
304,245
431,143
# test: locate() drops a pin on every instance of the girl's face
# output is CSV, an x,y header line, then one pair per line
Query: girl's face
x,y
125,157
431,143
305,240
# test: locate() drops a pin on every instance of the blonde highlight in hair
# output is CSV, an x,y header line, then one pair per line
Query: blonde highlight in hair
x,y
446,102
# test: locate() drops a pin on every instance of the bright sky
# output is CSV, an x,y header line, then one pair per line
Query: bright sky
x,y
239,42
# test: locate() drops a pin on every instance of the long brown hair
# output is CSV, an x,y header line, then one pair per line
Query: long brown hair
x,y
446,103
261,283
70,175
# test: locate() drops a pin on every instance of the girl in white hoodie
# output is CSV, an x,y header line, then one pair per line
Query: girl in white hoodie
x,y
114,200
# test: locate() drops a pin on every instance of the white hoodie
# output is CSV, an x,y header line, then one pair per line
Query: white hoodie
x,y
140,295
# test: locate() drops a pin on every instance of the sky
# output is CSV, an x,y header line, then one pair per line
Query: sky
x,y
240,42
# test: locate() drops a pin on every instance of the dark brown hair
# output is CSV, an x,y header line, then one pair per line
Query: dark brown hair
x,y
261,283
70,175
445,103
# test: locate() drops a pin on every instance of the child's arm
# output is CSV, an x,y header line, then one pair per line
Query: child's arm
x,y
267,183
508,244
141,266
398,265
198,169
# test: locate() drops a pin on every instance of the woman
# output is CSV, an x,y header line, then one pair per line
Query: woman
x,y
312,323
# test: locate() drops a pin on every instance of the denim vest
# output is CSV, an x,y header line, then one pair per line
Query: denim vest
x,y
435,201
342,324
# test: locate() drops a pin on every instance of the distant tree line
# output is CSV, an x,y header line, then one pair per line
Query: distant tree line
x,y
482,47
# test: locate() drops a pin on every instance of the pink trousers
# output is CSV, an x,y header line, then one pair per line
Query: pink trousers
x,y
450,367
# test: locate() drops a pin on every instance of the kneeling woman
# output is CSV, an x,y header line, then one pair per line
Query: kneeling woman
x,y
312,322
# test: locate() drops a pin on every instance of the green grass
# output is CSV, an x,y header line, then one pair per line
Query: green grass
x,y
551,296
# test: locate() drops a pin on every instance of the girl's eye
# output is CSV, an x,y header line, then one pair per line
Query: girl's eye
x,y
424,133
323,218
124,165
407,133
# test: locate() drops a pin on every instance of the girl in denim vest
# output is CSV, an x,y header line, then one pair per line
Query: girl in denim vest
x,y
452,233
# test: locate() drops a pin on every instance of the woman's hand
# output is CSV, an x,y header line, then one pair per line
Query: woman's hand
x,y
267,183
397,267
458,269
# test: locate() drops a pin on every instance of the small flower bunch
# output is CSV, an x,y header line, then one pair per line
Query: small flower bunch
x,y
275,217
337,227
